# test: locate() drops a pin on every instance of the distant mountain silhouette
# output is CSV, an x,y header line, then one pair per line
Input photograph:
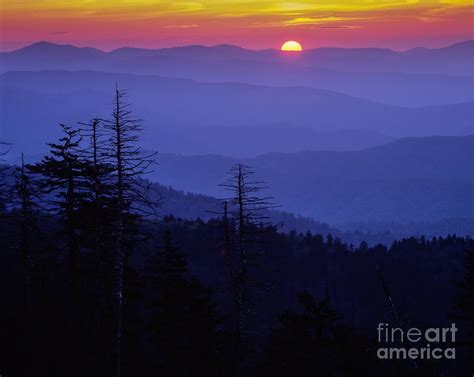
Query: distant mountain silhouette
x,y
329,57
184,116
455,59
406,181
46,54
38,49
465,48
427,77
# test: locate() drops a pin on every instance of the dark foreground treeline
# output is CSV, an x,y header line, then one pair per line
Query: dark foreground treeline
x,y
91,283
313,309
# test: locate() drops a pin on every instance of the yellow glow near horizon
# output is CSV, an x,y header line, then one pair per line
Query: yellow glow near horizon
x,y
250,23
291,46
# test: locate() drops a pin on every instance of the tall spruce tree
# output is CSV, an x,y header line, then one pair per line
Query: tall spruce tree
x,y
61,177
130,197
61,180
244,221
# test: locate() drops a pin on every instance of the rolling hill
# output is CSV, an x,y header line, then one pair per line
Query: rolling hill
x,y
406,181
185,116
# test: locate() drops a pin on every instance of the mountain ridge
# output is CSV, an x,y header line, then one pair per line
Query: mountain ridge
x,y
408,180
182,115
461,44
411,80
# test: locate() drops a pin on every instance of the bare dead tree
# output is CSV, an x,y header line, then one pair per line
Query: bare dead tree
x,y
131,195
243,223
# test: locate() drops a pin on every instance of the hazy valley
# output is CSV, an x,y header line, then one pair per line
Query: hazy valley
x,y
321,127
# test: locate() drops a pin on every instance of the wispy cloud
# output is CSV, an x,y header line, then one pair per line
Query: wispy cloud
x,y
317,20
339,27
189,26
332,22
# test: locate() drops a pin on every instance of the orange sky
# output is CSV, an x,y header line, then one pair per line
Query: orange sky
x,y
109,24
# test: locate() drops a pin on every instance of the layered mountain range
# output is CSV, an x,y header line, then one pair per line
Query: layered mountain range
x,y
341,135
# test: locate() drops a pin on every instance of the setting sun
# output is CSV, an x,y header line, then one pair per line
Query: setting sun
x,y
291,46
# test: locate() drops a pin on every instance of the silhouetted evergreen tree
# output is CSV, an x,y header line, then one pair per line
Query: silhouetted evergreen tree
x,y
310,342
61,178
130,197
244,219
183,320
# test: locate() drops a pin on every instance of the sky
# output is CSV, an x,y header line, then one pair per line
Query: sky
x,y
109,24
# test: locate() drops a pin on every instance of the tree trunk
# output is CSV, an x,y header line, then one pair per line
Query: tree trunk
x,y
119,252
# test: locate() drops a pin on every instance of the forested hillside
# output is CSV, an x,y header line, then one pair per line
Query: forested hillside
x,y
341,278
411,180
